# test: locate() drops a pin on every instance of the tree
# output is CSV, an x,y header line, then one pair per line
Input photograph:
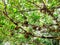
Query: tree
x,y
32,22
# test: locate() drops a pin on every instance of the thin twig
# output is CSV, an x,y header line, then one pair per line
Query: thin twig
x,y
34,3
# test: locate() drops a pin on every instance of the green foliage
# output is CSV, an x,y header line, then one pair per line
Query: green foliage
x,y
17,11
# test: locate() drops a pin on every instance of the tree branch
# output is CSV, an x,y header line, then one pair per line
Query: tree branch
x,y
27,10
34,3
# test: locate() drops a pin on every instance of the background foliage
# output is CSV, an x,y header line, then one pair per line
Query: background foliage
x,y
32,22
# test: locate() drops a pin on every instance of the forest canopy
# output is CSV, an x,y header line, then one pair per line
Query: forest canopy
x,y
29,22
